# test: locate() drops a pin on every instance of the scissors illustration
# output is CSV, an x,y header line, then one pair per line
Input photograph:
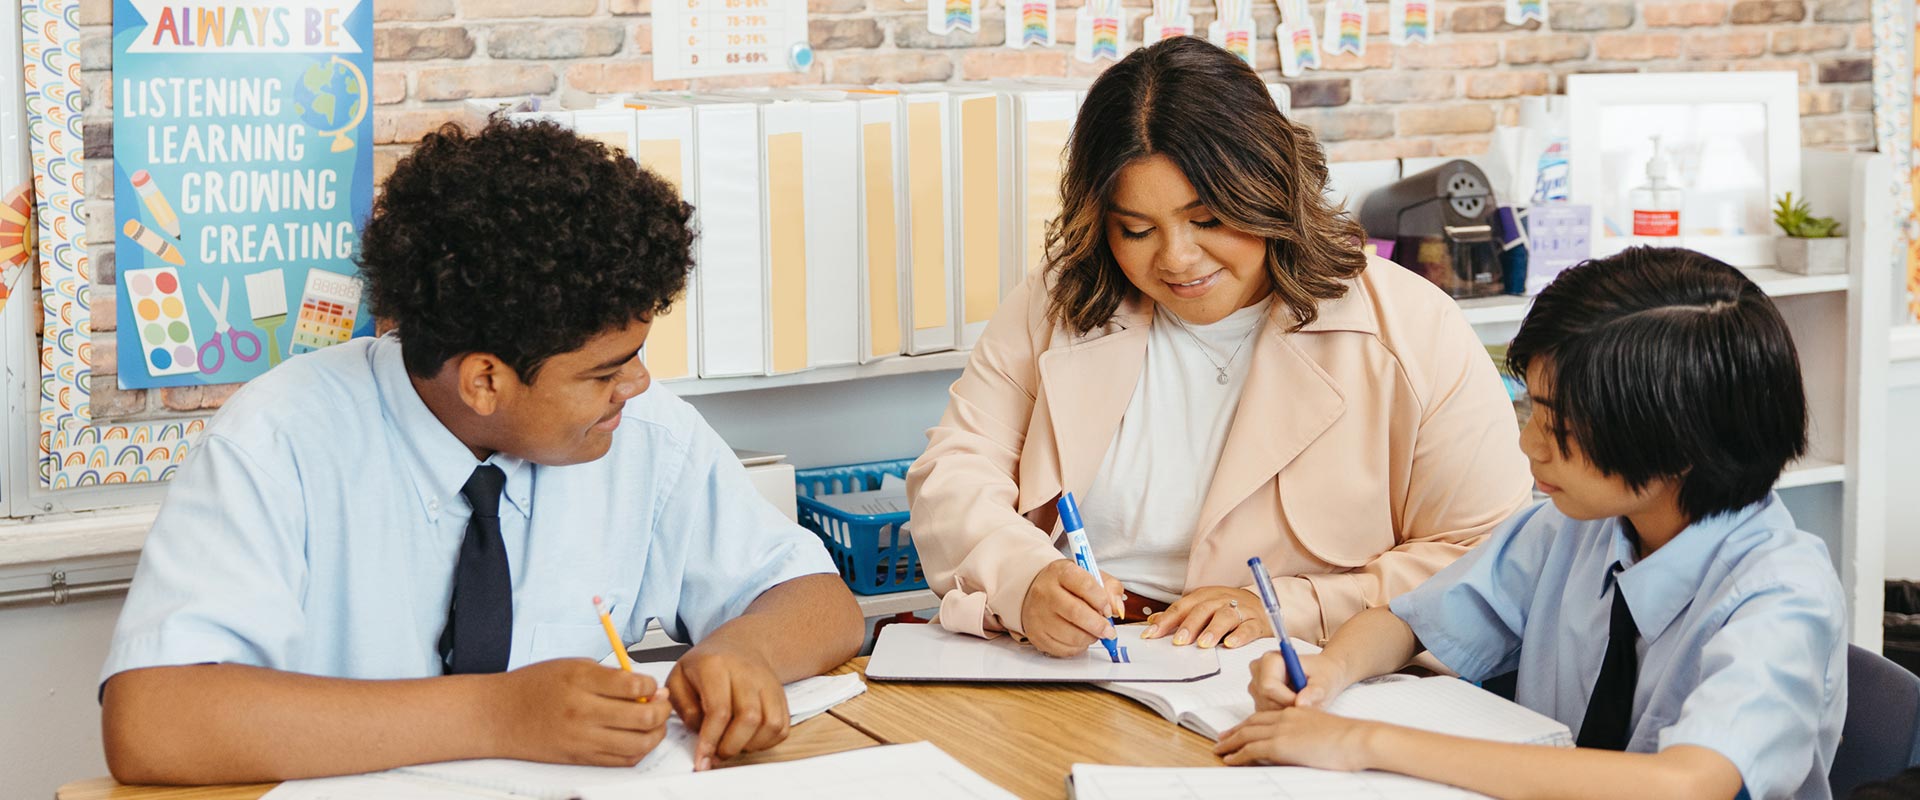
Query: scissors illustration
x,y
208,366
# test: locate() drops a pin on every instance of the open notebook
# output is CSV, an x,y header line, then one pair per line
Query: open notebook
x,y
496,777
1093,782
1440,704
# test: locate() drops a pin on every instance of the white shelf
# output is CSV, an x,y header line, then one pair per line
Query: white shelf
x,y
1502,308
1781,284
1513,308
1479,311
1811,472
897,365
886,605
1904,344
880,605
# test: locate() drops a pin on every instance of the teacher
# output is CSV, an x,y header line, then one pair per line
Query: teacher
x,y
1216,371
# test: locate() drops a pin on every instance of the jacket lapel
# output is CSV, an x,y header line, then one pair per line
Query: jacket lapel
x,y
1088,386
1287,403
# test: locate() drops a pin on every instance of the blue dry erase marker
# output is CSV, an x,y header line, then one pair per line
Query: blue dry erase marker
x,y
1083,555
1296,678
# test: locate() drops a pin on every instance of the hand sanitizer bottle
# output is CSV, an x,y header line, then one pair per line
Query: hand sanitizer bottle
x,y
1656,205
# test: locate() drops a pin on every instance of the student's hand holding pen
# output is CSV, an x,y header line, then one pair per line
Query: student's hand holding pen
x,y
1326,677
1289,727
1065,611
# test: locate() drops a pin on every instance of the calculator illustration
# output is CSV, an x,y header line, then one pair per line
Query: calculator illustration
x,y
327,310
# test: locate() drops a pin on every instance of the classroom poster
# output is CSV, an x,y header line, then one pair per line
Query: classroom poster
x,y
243,170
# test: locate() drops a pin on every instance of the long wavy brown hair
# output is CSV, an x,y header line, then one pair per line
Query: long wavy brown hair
x,y
1207,111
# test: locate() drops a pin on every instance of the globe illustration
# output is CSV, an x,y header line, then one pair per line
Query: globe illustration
x,y
331,98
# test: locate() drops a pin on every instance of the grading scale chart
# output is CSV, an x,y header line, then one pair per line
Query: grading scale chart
x,y
702,38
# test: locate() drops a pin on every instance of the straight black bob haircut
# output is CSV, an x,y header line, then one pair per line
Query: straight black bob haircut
x,y
1666,363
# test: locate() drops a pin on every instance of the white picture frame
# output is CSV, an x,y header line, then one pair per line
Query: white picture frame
x,y
1735,137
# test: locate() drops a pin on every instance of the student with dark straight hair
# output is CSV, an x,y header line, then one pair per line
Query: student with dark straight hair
x,y
1213,367
1661,603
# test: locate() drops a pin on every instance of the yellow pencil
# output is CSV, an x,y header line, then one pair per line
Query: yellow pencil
x,y
157,203
613,638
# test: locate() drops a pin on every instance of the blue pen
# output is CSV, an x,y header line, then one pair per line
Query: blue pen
x,y
1083,555
1296,678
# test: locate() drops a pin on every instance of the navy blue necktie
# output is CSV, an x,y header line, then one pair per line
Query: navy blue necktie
x,y
479,632
1610,708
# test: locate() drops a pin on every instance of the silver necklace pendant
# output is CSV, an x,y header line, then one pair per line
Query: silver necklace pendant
x,y
1222,379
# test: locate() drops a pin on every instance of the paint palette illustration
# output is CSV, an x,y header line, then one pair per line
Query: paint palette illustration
x,y
160,314
327,310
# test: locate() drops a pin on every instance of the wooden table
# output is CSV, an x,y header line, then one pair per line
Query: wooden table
x,y
816,737
1024,737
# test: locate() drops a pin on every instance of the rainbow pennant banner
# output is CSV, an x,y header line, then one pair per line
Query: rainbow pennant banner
x,y
1032,25
1235,38
1519,11
1295,37
952,15
1410,21
1346,27
1169,19
1100,32
1232,29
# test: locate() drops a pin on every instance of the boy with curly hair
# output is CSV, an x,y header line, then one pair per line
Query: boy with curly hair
x,y
390,546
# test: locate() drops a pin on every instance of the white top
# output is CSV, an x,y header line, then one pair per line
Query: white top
x,y
1145,500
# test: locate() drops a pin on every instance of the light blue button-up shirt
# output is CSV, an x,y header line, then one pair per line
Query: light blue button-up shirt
x,y
1742,634
316,527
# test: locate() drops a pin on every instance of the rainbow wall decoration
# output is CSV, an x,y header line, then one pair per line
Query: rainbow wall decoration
x,y
1101,31
1409,22
953,15
1520,11
1346,27
1032,26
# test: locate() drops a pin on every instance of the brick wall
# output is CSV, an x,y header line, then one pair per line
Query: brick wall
x,y
1440,99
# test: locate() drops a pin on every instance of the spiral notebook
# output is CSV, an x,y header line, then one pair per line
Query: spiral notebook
x,y
1441,704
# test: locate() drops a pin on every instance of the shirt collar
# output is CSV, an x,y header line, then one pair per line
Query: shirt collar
x,y
1661,585
440,463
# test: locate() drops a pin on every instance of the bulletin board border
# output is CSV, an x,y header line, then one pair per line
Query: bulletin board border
x,y
75,449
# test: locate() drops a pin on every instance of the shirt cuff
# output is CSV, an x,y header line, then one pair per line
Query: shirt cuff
x,y
1456,655
173,648
1007,595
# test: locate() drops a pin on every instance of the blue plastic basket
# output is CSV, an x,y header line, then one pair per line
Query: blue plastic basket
x,y
873,551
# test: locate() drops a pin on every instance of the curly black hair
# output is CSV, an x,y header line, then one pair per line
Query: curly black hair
x,y
523,240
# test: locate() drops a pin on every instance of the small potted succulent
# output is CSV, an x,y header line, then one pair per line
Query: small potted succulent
x,y
1812,245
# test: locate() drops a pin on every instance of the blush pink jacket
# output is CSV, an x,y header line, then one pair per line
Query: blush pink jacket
x,y
1370,449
